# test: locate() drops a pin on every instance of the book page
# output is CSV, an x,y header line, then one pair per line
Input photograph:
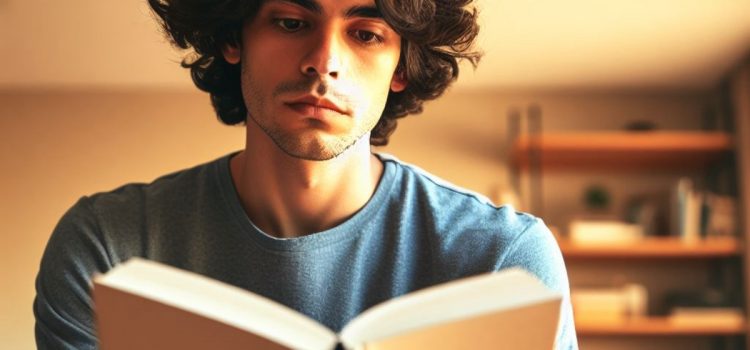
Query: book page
x,y
196,299
132,322
530,328
504,297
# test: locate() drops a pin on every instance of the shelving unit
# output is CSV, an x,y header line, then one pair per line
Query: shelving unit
x,y
656,326
655,248
539,154
634,151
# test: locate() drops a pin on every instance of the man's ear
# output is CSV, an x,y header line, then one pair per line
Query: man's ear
x,y
398,82
231,53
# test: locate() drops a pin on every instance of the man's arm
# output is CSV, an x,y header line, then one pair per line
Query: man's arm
x,y
63,306
537,251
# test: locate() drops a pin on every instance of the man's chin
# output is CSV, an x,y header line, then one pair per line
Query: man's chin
x,y
314,145
315,151
313,156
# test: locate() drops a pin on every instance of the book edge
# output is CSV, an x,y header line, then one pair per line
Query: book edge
x,y
268,319
452,304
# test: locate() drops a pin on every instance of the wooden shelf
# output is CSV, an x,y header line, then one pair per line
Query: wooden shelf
x,y
655,247
632,151
654,326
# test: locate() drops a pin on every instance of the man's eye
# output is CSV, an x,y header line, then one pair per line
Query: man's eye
x,y
367,37
290,24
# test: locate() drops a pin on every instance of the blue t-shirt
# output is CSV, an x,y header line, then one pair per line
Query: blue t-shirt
x,y
416,231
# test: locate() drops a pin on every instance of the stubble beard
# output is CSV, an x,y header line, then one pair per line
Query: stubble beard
x,y
312,147
308,147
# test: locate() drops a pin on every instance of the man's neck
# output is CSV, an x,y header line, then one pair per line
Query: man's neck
x,y
290,197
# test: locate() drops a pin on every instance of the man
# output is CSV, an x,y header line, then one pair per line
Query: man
x,y
306,214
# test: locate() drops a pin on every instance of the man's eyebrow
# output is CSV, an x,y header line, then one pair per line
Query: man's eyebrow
x,y
364,11
310,5
356,11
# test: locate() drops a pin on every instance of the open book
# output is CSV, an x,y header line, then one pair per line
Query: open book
x,y
142,304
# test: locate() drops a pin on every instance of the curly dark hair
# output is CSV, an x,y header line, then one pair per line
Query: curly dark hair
x,y
435,34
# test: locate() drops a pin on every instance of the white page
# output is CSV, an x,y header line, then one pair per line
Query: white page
x,y
219,301
460,299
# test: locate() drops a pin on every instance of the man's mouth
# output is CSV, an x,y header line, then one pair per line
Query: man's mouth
x,y
314,106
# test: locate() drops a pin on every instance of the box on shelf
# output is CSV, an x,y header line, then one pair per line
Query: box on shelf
x,y
707,316
719,215
604,232
609,305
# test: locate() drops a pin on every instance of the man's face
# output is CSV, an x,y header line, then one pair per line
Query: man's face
x,y
316,73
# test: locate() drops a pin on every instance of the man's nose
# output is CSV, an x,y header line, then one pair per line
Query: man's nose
x,y
324,56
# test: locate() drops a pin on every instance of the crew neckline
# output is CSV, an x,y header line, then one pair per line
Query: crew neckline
x,y
349,229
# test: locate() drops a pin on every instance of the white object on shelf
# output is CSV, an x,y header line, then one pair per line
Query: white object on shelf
x,y
636,298
609,232
707,316
609,304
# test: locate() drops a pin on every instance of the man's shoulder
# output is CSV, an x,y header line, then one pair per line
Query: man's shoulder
x,y
412,177
455,209
466,232
175,188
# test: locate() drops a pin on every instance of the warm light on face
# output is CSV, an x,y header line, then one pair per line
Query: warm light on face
x,y
316,75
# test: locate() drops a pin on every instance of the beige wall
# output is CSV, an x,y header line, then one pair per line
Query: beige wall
x,y
59,145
